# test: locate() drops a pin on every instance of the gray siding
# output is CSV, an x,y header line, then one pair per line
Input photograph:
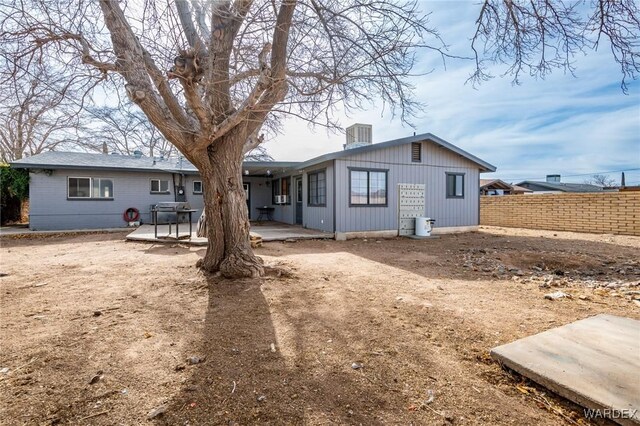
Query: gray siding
x,y
50,209
315,217
196,201
285,213
436,162
259,194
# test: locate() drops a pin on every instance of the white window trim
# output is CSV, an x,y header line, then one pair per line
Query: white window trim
x,y
80,198
194,187
168,191
100,179
91,195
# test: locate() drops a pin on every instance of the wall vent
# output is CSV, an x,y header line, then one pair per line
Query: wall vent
x,y
416,152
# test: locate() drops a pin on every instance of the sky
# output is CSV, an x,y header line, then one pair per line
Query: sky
x,y
573,126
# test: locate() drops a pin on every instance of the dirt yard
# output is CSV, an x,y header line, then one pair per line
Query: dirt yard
x,y
95,330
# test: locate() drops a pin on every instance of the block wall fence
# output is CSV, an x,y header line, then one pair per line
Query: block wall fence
x,y
600,213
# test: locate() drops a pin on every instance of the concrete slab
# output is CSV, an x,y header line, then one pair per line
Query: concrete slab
x,y
274,231
269,231
422,237
147,233
593,362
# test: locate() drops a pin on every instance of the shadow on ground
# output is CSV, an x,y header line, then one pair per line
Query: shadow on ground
x,y
245,381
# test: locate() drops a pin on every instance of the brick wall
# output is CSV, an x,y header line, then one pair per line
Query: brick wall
x,y
602,213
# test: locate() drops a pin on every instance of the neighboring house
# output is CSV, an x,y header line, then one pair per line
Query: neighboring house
x,y
499,187
353,190
553,185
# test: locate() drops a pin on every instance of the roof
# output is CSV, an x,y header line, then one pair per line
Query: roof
x,y
425,137
517,188
563,187
497,183
83,160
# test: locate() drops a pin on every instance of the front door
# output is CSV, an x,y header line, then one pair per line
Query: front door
x,y
298,201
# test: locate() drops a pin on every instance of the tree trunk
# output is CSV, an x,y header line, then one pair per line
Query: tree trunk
x,y
229,250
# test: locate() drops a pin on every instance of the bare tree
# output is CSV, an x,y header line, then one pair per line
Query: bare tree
x,y
125,129
534,37
601,180
231,63
37,114
259,153
234,64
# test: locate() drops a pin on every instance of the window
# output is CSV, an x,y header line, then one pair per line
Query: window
x,y
280,187
317,189
159,186
90,188
102,188
416,152
455,185
197,187
368,187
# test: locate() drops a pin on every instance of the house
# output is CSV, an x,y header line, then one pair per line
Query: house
x,y
553,185
349,191
500,187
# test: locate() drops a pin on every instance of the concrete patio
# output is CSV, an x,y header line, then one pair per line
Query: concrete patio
x,y
269,231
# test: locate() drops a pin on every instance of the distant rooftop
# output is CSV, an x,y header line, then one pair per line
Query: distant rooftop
x,y
560,186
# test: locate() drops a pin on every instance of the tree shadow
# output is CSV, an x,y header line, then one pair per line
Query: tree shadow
x,y
406,347
246,377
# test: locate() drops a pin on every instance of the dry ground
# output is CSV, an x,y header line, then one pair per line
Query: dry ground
x,y
95,330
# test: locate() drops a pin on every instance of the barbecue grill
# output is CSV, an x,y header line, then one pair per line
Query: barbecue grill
x,y
172,210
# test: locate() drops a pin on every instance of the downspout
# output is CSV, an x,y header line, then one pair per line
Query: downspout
x,y
479,195
334,198
175,193
182,183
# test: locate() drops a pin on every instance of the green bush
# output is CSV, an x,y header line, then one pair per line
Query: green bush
x,y
14,182
14,188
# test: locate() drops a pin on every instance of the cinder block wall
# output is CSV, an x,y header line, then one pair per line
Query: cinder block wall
x,y
600,213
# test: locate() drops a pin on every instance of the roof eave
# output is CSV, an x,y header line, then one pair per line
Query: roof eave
x,y
484,166
120,169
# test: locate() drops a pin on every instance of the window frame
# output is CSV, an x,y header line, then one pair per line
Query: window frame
x,y
151,191
286,179
318,204
277,186
386,187
88,197
419,145
193,187
446,184
91,196
100,179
